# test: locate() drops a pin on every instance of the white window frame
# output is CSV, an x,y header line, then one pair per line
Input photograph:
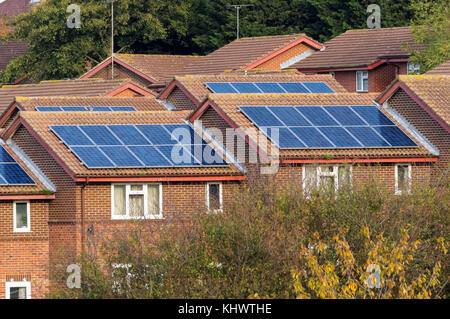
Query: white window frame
x,y
361,88
17,284
397,190
415,68
220,197
144,192
319,173
26,229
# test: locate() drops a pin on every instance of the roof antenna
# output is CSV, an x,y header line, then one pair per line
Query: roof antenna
x,y
112,37
238,7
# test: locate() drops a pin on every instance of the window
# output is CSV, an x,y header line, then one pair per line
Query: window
x,y
326,176
135,201
18,290
413,68
362,81
21,217
214,197
402,179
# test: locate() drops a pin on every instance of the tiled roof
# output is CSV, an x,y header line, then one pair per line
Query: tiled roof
x,y
90,87
140,103
11,50
443,68
359,48
37,188
195,83
159,67
241,53
39,123
434,90
12,8
229,105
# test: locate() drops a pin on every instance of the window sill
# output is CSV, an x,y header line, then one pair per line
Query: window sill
x,y
21,231
150,217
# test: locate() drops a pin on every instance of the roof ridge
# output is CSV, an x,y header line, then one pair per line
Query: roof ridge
x,y
271,36
377,29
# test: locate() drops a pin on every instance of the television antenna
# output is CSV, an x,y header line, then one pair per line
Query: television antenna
x,y
238,8
112,37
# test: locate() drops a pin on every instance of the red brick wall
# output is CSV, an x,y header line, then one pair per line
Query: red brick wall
x,y
25,255
274,63
120,73
431,129
180,100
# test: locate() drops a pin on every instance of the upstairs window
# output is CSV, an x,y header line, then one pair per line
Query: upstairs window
x,y
362,81
413,68
326,176
136,201
21,217
214,197
402,179
18,290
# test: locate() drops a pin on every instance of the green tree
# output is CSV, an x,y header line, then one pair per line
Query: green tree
x,y
431,29
57,51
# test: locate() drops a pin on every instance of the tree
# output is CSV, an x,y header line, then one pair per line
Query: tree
x,y
57,51
431,31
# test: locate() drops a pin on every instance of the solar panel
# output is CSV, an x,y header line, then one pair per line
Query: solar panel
x,y
245,87
318,87
136,145
327,126
269,87
221,87
85,108
11,172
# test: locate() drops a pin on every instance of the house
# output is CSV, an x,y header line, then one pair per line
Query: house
x,y
424,102
155,71
187,92
365,60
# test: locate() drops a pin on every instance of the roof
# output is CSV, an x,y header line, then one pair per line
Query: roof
x,y
443,68
90,87
359,48
229,103
37,188
157,66
12,8
11,50
139,103
39,122
194,84
243,52
433,90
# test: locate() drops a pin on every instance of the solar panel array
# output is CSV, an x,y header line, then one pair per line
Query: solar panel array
x,y
156,145
11,173
85,108
269,87
327,126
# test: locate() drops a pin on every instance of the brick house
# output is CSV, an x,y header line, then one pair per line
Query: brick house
x,y
365,60
155,71
424,101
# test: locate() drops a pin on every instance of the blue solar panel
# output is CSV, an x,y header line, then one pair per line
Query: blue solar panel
x,y
372,115
289,116
394,135
311,136
245,87
150,156
344,115
92,157
317,115
138,146
74,108
207,156
294,87
283,137
123,108
339,137
48,109
270,87
71,135
100,135
121,156
5,157
318,87
100,109
14,174
367,136
261,116
221,87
